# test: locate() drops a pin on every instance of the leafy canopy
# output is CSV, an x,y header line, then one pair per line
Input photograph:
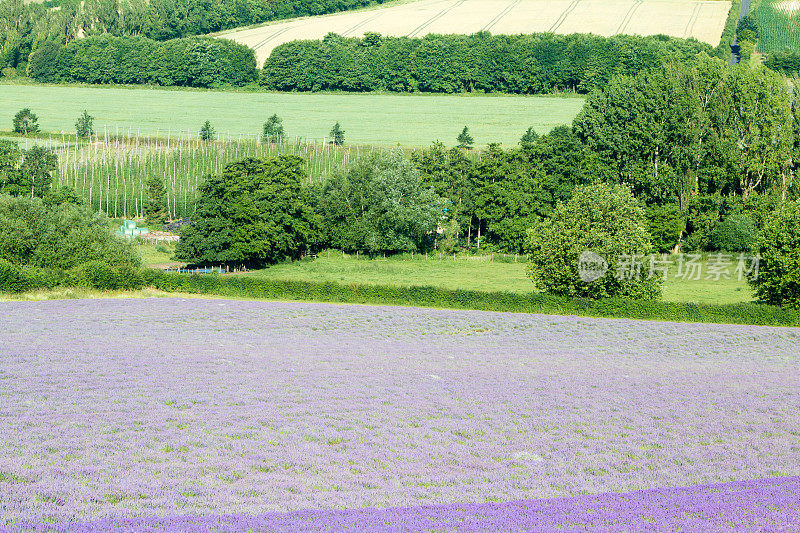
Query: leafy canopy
x,y
25,172
25,122
254,213
778,282
600,218
380,205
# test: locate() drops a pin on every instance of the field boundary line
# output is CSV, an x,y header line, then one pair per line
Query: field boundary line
x,y
434,18
563,16
692,21
626,20
501,15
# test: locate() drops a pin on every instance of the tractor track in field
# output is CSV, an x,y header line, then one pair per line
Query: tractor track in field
x,y
433,19
500,15
692,21
361,24
628,17
271,37
561,18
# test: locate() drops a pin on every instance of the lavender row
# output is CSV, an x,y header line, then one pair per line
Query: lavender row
x,y
756,505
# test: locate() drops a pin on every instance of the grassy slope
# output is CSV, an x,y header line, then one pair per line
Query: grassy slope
x,y
381,119
471,275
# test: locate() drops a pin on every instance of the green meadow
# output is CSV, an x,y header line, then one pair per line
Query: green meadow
x,y
476,273
375,119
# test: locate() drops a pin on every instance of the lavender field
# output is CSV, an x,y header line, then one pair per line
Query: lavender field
x,y
217,415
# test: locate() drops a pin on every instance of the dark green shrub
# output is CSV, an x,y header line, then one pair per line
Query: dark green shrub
x,y
666,224
11,278
601,228
43,62
95,275
778,282
734,234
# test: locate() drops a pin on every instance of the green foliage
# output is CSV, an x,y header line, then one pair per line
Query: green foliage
x,y
666,224
255,212
273,129
156,208
188,62
25,122
61,196
379,205
785,61
465,140
57,236
529,137
25,172
600,218
736,233
43,62
84,126
337,135
692,129
207,132
12,278
521,64
778,245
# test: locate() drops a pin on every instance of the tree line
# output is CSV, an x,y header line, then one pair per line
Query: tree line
x,y
520,64
188,62
24,26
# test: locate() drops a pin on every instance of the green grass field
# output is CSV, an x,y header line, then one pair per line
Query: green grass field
x,y
375,119
471,274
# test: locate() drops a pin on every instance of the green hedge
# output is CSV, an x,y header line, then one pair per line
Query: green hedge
x,y
188,62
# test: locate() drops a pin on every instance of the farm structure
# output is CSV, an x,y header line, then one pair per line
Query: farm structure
x,y
703,20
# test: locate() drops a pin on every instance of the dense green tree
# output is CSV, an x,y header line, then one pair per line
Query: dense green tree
x,y
449,173
336,135
61,196
84,126
380,205
207,132
529,137
273,129
61,235
601,223
465,140
25,122
156,207
756,128
778,246
254,213
25,172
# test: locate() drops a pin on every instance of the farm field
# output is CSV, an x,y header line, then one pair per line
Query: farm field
x,y
778,24
475,273
246,408
375,119
703,20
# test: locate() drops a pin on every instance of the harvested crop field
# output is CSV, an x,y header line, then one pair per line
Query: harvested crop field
x,y
166,408
703,20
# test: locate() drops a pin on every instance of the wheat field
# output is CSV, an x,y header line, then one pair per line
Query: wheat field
x,y
703,20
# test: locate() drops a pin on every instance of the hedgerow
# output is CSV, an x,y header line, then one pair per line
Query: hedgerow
x,y
188,62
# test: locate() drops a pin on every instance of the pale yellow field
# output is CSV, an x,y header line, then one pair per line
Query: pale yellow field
x,y
703,20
